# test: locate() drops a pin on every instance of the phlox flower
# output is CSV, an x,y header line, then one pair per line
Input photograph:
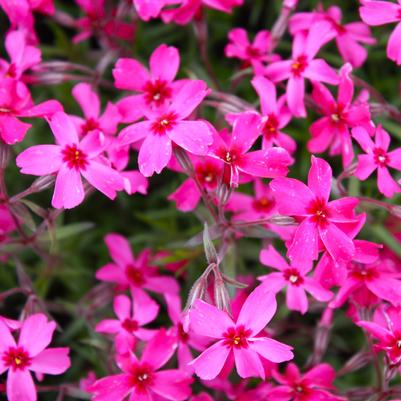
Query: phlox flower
x,y
98,21
185,338
131,318
239,339
22,55
234,152
315,384
30,353
156,86
294,278
322,224
275,116
253,54
165,127
208,172
141,378
189,9
16,102
333,130
151,9
70,158
386,328
303,64
349,37
378,158
376,13
134,273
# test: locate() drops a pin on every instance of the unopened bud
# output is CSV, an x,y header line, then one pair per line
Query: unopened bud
x,y
282,220
43,183
4,155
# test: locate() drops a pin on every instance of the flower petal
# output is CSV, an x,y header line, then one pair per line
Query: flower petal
x,y
51,361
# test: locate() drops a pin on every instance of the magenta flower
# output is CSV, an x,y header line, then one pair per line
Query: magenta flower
x,y
98,21
377,157
151,9
294,278
240,338
208,172
386,328
332,130
275,116
156,87
22,55
312,386
142,380
163,128
130,272
349,37
71,158
322,224
189,9
130,320
15,102
376,13
267,163
89,102
303,65
184,337
30,353
253,54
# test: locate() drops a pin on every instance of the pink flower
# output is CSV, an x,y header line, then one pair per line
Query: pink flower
x,y
100,22
275,116
208,172
387,329
267,163
348,36
189,9
240,338
15,102
89,102
376,13
168,126
151,9
184,337
134,273
294,278
254,54
377,157
70,159
323,224
29,353
313,385
128,327
156,87
142,380
339,116
303,65
22,55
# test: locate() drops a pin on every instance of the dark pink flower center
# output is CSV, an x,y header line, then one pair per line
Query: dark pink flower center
x,y
293,276
207,175
141,377
253,52
319,211
12,71
182,334
16,358
134,275
164,123
130,325
89,125
299,65
263,204
157,92
74,157
229,156
361,272
300,389
236,337
380,157
270,126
